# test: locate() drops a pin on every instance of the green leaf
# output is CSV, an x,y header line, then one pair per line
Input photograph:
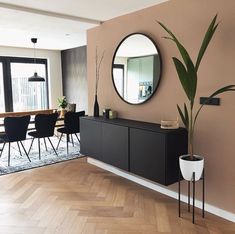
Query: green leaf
x,y
208,36
181,48
186,116
182,116
188,78
227,88
183,76
192,76
189,86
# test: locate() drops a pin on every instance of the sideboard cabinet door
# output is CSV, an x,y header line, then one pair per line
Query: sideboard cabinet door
x,y
91,137
147,154
115,145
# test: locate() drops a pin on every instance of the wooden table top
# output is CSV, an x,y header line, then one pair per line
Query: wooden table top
x,y
22,113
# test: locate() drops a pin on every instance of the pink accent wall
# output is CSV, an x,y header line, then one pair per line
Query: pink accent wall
x,y
215,132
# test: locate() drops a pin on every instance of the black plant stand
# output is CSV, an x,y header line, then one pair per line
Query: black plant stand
x,y
203,195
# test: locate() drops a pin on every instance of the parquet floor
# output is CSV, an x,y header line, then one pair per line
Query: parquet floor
x,y
76,197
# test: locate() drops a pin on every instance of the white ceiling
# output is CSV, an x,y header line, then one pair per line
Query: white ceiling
x,y
58,24
135,46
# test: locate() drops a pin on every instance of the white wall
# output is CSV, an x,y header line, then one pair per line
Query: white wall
x,y
54,68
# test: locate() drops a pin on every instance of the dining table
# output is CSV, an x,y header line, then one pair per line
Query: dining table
x,y
32,113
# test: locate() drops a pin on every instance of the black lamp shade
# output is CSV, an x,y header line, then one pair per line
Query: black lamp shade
x,y
36,77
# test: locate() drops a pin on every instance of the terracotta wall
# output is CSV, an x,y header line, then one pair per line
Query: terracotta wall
x,y
215,133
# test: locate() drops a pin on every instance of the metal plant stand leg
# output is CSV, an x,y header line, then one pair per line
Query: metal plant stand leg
x,y
188,196
193,195
203,193
179,208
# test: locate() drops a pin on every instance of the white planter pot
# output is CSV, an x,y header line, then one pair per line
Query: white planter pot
x,y
187,167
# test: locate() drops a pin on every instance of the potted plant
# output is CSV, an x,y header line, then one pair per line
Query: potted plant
x,y
62,104
187,74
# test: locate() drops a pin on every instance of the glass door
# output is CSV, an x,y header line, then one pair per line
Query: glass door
x,y
28,95
2,95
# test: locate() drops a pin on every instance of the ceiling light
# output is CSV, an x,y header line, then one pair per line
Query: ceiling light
x,y
35,76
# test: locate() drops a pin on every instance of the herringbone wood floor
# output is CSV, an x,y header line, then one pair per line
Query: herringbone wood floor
x,y
76,197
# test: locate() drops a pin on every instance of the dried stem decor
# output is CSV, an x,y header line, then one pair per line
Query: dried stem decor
x,y
97,77
97,67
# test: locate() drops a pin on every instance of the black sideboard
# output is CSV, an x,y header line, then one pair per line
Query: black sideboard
x,y
138,147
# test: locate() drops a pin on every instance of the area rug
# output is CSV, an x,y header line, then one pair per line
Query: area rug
x,y
20,162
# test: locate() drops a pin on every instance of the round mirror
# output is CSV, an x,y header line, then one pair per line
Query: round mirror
x,y
136,68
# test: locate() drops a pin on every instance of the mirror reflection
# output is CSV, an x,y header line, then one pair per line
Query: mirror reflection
x,y
136,68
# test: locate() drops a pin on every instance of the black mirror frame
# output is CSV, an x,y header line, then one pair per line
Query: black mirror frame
x,y
160,74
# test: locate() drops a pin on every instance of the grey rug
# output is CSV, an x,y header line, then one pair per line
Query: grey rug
x,y
20,162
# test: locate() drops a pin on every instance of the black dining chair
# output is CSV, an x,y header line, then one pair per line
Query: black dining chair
x,y
71,126
15,131
44,125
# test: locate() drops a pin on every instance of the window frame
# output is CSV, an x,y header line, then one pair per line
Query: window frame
x,y
7,79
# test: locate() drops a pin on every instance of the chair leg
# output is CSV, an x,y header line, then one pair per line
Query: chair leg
x,y
77,137
72,139
67,142
52,146
19,148
59,140
25,151
39,149
30,145
45,144
2,149
9,153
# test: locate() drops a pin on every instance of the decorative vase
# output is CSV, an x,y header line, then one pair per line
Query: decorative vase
x,y
187,167
96,107
62,112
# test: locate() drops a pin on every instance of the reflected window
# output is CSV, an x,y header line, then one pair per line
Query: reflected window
x,y
118,71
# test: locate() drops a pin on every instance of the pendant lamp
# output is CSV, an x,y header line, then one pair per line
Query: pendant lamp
x,y
35,76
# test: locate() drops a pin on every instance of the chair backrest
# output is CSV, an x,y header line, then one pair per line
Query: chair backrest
x,y
16,127
45,124
71,107
71,121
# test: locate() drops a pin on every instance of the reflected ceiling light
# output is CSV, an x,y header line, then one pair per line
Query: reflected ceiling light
x,y
35,76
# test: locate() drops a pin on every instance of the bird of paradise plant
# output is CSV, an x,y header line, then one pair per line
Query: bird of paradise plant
x,y
188,75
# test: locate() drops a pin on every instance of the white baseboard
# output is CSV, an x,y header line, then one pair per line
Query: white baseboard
x,y
161,189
